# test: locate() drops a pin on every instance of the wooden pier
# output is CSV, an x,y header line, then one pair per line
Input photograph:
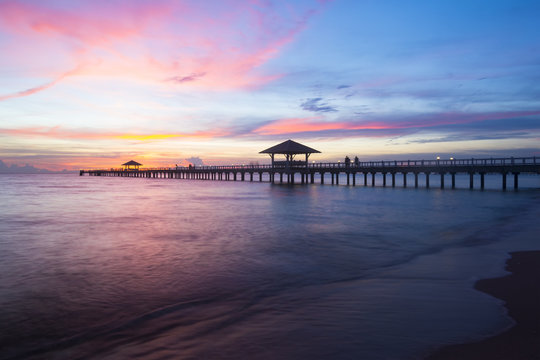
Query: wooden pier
x,y
356,173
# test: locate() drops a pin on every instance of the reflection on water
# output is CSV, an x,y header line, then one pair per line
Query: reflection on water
x,y
121,267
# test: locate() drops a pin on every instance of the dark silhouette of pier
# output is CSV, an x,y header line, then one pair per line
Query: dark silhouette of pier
x,y
287,170
356,173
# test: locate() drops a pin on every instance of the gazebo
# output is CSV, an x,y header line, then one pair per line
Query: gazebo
x,y
131,165
290,149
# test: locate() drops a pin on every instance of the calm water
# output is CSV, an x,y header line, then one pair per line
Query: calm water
x,y
113,268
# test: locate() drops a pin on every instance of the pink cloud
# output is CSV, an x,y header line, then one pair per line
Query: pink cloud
x,y
58,132
312,124
153,41
315,124
37,89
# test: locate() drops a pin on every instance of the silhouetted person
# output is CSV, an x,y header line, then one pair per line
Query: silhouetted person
x,y
356,161
347,161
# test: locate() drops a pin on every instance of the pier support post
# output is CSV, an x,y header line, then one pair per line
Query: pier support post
x,y
312,178
365,179
281,178
471,180
348,180
393,179
404,179
415,179
504,181
427,179
322,177
515,180
260,177
442,180
373,179
354,179
482,180
384,179
332,174
453,180
337,178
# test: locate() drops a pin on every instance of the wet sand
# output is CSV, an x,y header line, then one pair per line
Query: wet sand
x,y
521,292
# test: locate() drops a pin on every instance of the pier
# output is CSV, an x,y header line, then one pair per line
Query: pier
x,y
360,173
355,172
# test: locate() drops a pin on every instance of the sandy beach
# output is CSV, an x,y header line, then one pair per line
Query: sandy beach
x,y
521,292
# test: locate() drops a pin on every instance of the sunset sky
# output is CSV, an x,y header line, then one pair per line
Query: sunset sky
x,y
96,83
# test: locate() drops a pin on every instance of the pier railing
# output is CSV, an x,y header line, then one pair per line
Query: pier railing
x,y
362,164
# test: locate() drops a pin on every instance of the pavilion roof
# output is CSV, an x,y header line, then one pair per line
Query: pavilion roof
x,y
131,162
289,147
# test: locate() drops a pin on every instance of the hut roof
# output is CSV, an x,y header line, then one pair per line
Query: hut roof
x,y
131,162
289,147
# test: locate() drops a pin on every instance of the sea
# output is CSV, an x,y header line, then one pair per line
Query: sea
x,y
136,268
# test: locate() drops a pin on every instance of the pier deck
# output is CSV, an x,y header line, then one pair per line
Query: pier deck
x,y
307,172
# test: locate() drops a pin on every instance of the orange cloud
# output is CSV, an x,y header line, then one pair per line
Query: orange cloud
x,y
146,137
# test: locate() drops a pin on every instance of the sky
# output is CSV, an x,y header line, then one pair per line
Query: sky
x,y
93,84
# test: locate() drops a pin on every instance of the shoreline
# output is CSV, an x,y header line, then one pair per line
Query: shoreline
x,y
520,291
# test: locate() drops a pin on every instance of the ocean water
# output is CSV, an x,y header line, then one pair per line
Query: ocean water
x,y
121,268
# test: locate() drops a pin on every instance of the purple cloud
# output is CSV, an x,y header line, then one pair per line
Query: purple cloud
x,y
189,78
316,105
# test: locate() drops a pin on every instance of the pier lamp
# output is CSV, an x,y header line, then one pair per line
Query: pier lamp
x,y
451,159
438,158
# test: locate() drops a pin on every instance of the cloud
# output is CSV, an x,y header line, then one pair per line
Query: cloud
x,y
37,89
343,87
58,132
463,136
316,105
496,124
152,41
189,78
195,160
20,169
382,126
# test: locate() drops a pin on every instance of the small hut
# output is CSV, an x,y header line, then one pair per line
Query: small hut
x,y
290,149
131,165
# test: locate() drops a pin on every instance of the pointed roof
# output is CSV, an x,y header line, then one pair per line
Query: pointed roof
x,y
289,147
131,162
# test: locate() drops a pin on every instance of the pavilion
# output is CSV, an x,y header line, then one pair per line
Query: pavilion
x,y
290,149
131,165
